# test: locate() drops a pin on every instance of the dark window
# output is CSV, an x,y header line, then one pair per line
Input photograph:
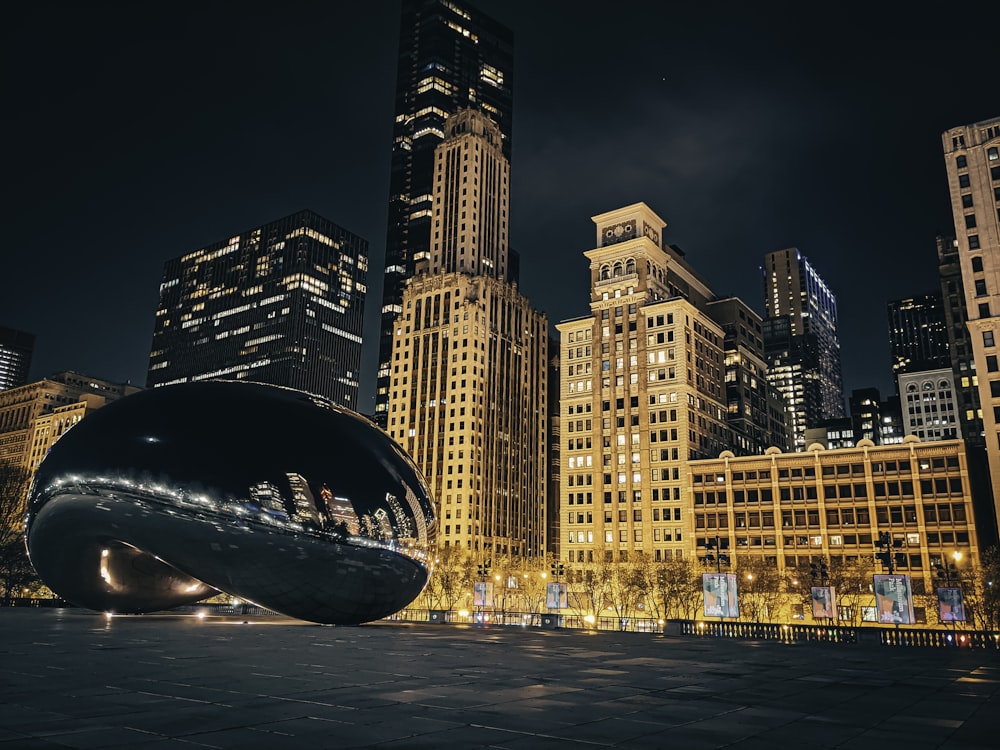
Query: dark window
x,y
970,223
960,162
967,201
963,180
991,363
995,173
984,309
995,388
987,338
977,263
974,243
980,288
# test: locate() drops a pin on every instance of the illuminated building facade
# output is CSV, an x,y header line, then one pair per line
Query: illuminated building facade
x,y
282,303
16,349
469,367
34,416
792,508
972,161
801,342
642,392
450,56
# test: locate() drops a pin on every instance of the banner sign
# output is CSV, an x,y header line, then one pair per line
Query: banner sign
x,y
721,598
894,599
824,601
951,604
556,596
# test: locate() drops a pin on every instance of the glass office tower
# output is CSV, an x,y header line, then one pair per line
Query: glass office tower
x,y
282,303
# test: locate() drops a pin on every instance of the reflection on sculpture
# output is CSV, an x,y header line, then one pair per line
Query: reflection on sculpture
x,y
269,494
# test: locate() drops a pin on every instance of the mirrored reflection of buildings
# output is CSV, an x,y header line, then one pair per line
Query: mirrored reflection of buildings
x,y
282,303
643,391
34,416
468,397
16,350
972,163
801,342
451,56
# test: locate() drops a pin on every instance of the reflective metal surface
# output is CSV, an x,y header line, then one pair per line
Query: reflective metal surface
x,y
268,494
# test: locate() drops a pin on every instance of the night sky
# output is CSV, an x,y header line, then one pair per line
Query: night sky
x,y
139,132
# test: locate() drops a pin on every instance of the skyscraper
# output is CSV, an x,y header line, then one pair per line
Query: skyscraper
x,y
918,334
642,392
16,349
469,363
972,161
801,342
282,303
963,365
450,56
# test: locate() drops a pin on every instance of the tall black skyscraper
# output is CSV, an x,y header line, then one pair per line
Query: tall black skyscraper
x,y
282,303
16,348
918,334
450,56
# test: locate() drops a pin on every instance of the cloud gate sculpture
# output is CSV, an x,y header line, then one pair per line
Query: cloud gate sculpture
x,y
174,494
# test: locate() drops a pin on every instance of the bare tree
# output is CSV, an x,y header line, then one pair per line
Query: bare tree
x,y
450,579
16,573
675,589
760,588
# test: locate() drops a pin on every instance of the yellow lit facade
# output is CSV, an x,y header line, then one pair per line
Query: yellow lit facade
x,y
469,367
972,160
792,508
641,394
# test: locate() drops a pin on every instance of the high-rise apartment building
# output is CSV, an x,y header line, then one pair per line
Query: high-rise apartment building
x,y
972,161
16,349
642,392
918,333
963,365
451,56
755,411
801,342
469,366
282,303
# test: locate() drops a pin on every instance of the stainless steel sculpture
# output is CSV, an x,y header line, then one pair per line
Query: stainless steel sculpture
x,y
269,494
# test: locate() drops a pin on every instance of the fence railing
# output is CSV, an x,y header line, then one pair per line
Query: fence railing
x,y
760,631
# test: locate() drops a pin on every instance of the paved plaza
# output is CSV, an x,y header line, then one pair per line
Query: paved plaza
x,y
74,679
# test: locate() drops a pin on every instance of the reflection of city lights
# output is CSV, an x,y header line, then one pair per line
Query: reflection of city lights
x,y
463,613
590,619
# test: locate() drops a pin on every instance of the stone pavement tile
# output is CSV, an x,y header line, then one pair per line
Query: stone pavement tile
x,y
899,736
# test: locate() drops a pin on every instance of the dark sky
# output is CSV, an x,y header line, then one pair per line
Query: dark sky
x,y
139,132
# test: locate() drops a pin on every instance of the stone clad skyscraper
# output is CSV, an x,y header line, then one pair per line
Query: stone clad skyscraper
x,y
972,160
468,368
450,56
801,342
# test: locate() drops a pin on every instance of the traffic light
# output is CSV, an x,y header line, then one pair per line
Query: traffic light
x,y
819,571
884,555
484,570
558,569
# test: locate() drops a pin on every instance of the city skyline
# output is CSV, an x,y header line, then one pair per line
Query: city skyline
x,y
748,134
